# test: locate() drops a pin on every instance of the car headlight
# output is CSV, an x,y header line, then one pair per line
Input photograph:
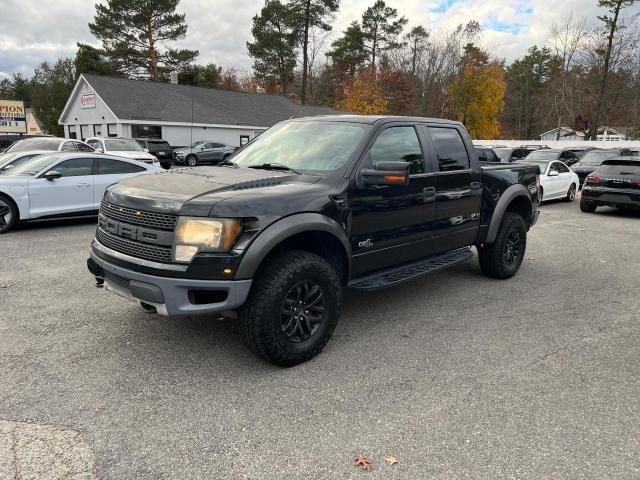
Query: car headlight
x,y
194,235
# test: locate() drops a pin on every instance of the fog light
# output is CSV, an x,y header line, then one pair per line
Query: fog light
x,y
184,253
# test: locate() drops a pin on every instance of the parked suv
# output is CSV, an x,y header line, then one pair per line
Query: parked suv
x,y
590,162
508,155
122,147
309,207
159,149
203,152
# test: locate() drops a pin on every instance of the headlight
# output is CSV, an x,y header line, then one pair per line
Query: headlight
x,y
195,235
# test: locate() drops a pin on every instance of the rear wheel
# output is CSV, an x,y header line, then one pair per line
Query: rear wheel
x,y
586,206
502,258
292,309
571,194
8,214
540,194
192,160
165,165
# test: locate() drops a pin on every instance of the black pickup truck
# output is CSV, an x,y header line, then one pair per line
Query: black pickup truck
x,y
309,207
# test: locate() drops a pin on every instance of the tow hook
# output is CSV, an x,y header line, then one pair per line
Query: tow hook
x,y
99,282
148,308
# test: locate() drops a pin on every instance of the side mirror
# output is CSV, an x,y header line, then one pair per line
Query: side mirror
x,y
385,173
146,150
51,175
553,173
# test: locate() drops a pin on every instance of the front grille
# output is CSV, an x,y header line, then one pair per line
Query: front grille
x,y
117,280
161,221
135,249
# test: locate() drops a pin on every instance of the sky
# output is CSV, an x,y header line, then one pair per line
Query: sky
x,y
32,31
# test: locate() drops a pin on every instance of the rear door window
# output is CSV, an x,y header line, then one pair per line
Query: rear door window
x,y
109,166
450,150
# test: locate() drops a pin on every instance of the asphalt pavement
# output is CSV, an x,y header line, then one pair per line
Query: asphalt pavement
x,y
456,376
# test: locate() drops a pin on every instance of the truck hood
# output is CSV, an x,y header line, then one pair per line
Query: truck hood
x,y
195,191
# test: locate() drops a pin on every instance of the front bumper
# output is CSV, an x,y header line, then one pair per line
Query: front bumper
x,y
170,296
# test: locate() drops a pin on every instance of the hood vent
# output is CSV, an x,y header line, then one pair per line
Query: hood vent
x,y
261,183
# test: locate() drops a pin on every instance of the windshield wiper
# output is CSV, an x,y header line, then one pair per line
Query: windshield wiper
x,y
275,166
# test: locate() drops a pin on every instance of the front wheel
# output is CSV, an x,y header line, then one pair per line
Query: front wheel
x,y
586,206
502,258
192,160
292,309
8,214
571,194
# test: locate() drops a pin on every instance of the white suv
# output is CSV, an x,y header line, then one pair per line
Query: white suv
x,y
122,147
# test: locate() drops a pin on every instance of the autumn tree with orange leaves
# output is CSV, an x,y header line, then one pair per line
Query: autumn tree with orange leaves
x,y
363,95
476,97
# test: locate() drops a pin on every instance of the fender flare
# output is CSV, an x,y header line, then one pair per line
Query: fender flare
x,y
506,198
279,231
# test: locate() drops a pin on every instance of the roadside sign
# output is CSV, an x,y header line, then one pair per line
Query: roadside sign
x,y
13,118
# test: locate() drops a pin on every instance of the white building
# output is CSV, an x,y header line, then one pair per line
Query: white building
x,y
180,114
608,134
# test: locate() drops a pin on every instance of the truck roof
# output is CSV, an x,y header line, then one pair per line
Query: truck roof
x,y
375,119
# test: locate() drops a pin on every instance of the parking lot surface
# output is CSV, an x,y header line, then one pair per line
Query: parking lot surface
x,y
456,375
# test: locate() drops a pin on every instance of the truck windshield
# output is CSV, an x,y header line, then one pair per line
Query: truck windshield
x,y
319,146
542,155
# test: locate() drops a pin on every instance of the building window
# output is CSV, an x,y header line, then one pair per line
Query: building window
x,y
97,130
72,131
111,130
146,131
244,139
84,132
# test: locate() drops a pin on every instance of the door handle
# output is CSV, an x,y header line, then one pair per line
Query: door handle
x,y
83,185
475,186
429,194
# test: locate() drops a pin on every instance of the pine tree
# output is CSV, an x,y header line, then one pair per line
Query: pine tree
x,y
52,85
349,51
313,13
134,34
92,60
276,33
381,29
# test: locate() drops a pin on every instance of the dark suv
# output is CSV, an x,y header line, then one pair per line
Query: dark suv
x,y
159,149
590,162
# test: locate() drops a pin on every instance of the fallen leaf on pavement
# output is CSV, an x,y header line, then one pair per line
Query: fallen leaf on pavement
x,y
8,285
363,462
529,258
391,460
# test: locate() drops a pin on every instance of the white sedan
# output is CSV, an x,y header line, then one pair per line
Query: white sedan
x,y
56,185
557,181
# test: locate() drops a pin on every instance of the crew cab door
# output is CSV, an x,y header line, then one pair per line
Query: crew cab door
x,y
72,192
458,188
391,224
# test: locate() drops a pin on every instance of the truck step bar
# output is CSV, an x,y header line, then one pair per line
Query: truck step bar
x,y
410,271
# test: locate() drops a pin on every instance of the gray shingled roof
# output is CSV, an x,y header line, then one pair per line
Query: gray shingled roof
x,y
155,101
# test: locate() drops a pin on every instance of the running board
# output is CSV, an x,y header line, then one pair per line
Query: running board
x,y
410,271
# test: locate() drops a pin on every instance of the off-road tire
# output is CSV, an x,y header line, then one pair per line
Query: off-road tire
x,y
571,194
165,165
540,195
191,160
492,256
586,206
6,202
261,315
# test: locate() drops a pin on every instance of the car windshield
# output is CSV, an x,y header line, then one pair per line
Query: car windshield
x,y
596,158
16,161
542,155
620,167
35,144
121,145
541,163
195,144
7,157
31,167
307,145
503,153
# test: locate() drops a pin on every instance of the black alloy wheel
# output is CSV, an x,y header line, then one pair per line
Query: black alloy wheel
x,y
303,310
512,246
